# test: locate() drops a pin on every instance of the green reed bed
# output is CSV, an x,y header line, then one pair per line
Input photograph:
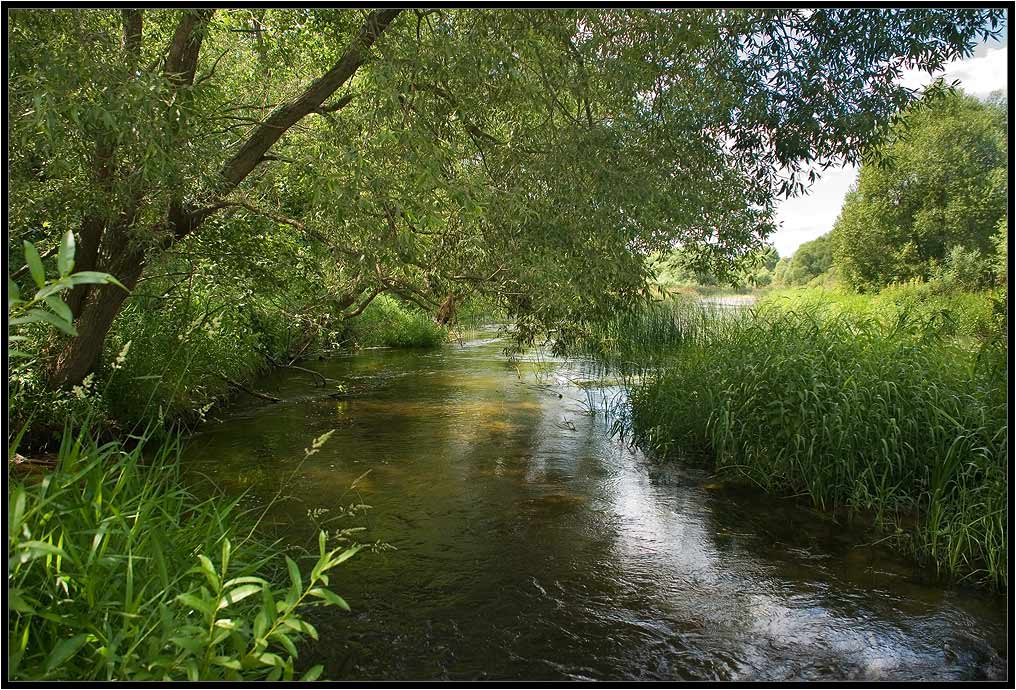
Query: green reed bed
x,y
638,339
116,572
885,415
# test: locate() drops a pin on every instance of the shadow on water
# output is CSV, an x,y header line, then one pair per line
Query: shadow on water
x,y
532,545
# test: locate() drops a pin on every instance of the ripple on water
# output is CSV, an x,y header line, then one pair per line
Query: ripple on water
x,y
531,545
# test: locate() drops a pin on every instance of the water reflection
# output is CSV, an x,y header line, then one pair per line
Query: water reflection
x,y
532,545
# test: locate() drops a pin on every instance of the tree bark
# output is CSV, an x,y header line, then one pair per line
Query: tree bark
x,y
89,239
94,308
446,312
83,352
182,60
94,224
132,29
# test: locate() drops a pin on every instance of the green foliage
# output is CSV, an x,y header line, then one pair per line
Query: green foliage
x,y
31,321
636,339
477,311
183,352
689,267
941,183
472,150
198,321
1001,242
811,260
390,323
965,269
889,418
965,315
46,305
115,572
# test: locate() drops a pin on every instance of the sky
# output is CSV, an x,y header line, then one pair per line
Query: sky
x,y
806,217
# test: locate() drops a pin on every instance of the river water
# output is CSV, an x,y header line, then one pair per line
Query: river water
x,y
531,545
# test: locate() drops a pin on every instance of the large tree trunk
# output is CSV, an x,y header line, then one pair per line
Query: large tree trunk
x,y
89,239
82,353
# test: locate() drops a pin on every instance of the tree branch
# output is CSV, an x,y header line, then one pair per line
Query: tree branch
x,y
211,71
182,60
287,115
253,151
359,310
338,104
285,220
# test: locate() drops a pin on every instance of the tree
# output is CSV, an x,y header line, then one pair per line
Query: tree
x,y
941,183
812,259
537,155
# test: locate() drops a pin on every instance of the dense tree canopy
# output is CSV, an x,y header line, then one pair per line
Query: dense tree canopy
x,y
683,267
941,184
536,155
809,261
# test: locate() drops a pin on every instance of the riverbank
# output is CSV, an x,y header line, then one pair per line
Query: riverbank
x,y
497,483
891,407
174,366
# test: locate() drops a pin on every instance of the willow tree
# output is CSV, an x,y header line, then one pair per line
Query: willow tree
x,y
537,155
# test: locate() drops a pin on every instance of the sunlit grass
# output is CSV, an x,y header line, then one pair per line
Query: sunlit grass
x,y
879,412
117,572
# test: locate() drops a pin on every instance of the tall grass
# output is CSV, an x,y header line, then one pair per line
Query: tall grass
x,y
639,339
116,572
962,314
885,414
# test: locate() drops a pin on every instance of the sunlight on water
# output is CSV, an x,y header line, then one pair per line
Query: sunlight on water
x,y
532,545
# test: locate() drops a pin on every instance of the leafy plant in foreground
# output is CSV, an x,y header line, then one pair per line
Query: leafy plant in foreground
x,y
46,305
116,572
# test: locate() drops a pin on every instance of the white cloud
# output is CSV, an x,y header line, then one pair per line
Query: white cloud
x,y
978,76
805,218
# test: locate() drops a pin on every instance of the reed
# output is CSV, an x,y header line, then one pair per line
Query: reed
x,y
884,414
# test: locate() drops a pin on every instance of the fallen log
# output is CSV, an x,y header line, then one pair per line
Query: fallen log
x,y
248,390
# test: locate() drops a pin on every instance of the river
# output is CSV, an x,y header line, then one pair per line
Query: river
x,y
529,544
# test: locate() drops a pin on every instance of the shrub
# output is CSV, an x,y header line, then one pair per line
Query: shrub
x,y
965,269
811,260
387,322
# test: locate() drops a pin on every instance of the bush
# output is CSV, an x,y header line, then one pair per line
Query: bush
x,y
478,311
181,353
116,572
810,261
941,182
965,269
387,322
1001,241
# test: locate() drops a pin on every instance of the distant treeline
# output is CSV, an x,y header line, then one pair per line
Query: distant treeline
x,y
928,205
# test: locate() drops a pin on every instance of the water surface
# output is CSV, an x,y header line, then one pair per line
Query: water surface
x,y
531,545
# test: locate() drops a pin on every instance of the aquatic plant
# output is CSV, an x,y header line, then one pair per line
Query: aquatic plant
x,y
887,416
